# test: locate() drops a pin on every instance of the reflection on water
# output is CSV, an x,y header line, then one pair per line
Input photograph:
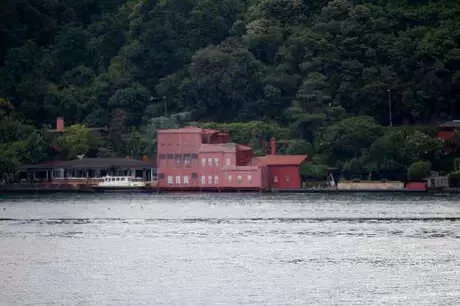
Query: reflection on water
x,y
229,249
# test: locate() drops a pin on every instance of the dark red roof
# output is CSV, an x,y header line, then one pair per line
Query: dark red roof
x,y
241,147
279,160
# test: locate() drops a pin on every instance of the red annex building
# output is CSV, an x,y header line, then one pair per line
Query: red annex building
x,y
192,158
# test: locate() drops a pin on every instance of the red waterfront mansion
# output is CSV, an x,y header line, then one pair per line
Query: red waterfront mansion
x,y
192,158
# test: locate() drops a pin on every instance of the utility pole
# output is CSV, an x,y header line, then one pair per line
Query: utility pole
x,y
389,107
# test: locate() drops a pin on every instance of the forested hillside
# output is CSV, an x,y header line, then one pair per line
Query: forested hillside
x,y
322,73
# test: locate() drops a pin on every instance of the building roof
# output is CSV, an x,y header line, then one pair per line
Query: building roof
x,y
210,131
230,147
91,129
93,163
453,124
241,147
188,130
220,147
279,160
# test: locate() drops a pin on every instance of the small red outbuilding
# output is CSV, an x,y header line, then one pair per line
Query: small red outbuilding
x,y
283,170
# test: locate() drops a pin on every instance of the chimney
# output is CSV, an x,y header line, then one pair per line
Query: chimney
x,y
59,124
273,145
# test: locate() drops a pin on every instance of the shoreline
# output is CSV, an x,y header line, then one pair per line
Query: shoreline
x,y
40,189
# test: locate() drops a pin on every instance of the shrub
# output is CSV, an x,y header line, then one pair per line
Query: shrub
x,y
419,170
454,179
457,164
314,172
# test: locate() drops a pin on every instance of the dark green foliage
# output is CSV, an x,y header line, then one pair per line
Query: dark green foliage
x,y
77,141
20,144
320,72
314,172
457,164
454,179
418,171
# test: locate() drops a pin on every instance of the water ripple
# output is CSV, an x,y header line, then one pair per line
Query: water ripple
x,y
229,220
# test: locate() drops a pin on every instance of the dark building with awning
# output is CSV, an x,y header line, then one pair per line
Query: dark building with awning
x,y
87,168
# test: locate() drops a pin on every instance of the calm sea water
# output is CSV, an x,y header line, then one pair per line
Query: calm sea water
x,y
218,249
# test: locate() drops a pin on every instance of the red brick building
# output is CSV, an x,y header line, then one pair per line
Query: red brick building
x,y
200,159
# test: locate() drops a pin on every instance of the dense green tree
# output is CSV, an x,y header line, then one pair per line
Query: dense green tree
x,y
348,138
419,170
20,144
319,72
77,141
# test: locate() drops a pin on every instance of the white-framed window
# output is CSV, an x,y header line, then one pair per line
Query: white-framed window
x,y
216,180
216,161
203,179
275,179
203,162
249,178
239,178
229,178
178,179
186,180
170,179
228,161
210,180
210,161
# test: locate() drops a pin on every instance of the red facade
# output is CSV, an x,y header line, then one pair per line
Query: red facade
x,y
416,186
198,159
446,135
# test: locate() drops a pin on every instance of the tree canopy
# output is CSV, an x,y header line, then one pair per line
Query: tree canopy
x,y
321,73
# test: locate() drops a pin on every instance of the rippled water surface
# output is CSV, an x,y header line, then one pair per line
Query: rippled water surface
x,y
229,249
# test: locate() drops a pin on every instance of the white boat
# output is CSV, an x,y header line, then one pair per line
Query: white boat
x,y
120,183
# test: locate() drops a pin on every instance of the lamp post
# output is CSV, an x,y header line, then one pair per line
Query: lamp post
x,y
389,107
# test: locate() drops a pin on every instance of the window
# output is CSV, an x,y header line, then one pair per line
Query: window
x,y
216,161
194,175
229,178
178,179
239,178
210,180
203,179
216,180
287,179
275,179
186,180
162,156
249,178
203,162
210,161
228,161
170,179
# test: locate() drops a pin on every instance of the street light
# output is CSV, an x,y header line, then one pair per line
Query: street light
x,y
389,106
